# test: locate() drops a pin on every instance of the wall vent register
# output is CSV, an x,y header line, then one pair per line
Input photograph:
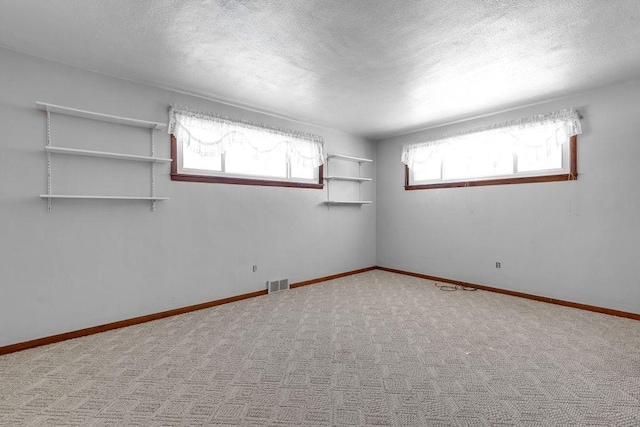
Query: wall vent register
x,y
278,285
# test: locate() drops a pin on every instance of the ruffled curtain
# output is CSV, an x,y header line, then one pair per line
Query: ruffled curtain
x,y
211,135
540,134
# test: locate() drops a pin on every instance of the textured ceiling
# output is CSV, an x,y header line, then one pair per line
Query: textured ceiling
x,y
369,67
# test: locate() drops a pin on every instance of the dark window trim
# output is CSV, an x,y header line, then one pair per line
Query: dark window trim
x,y
175,176
571,176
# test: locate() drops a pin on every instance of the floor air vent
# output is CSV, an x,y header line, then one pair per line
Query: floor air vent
x,y
278,285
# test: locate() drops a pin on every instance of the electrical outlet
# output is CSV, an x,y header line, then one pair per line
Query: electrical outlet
x,y
498,265
255,268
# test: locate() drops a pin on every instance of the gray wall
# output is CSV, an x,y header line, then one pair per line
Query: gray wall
x,y
575,241
92,262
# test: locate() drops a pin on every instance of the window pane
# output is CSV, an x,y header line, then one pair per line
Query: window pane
x,y
298,171
465,168
191,160
477,159
539,158
274,165
428,170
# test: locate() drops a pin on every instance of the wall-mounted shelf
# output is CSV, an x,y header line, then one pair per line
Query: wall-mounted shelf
x,y
347,178
106,155
357,179
77,196
346,202
125,121
67,111
349,158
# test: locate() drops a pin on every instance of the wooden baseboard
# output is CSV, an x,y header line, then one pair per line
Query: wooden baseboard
x,y
335,276
549,300
155,316
122,323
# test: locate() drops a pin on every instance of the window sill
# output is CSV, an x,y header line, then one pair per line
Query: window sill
x,y
500,181
243,181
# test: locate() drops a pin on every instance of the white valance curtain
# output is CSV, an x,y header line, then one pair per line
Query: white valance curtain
x,y
542,133
211,135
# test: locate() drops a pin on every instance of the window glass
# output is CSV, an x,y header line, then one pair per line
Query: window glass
x,y
470,159
267,165
191,160
539,158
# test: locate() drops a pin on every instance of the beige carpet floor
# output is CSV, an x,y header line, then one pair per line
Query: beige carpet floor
x,y
370,349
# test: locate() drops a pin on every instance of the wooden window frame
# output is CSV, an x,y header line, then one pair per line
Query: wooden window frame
x,y
571,176
175,176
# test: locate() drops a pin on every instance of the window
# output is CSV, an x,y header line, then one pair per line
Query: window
x,y
211,148
537,149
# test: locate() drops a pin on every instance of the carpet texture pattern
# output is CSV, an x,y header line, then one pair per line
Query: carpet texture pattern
x,y
371,349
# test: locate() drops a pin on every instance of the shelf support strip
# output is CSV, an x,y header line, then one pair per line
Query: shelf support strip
x,y
153,170
48,160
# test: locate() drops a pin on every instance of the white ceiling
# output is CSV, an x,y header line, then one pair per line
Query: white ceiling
x,y
369,67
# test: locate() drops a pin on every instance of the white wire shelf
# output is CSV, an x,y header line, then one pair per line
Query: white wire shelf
x,y
104,154
349,158
98,116
74,196
347,178
348,202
